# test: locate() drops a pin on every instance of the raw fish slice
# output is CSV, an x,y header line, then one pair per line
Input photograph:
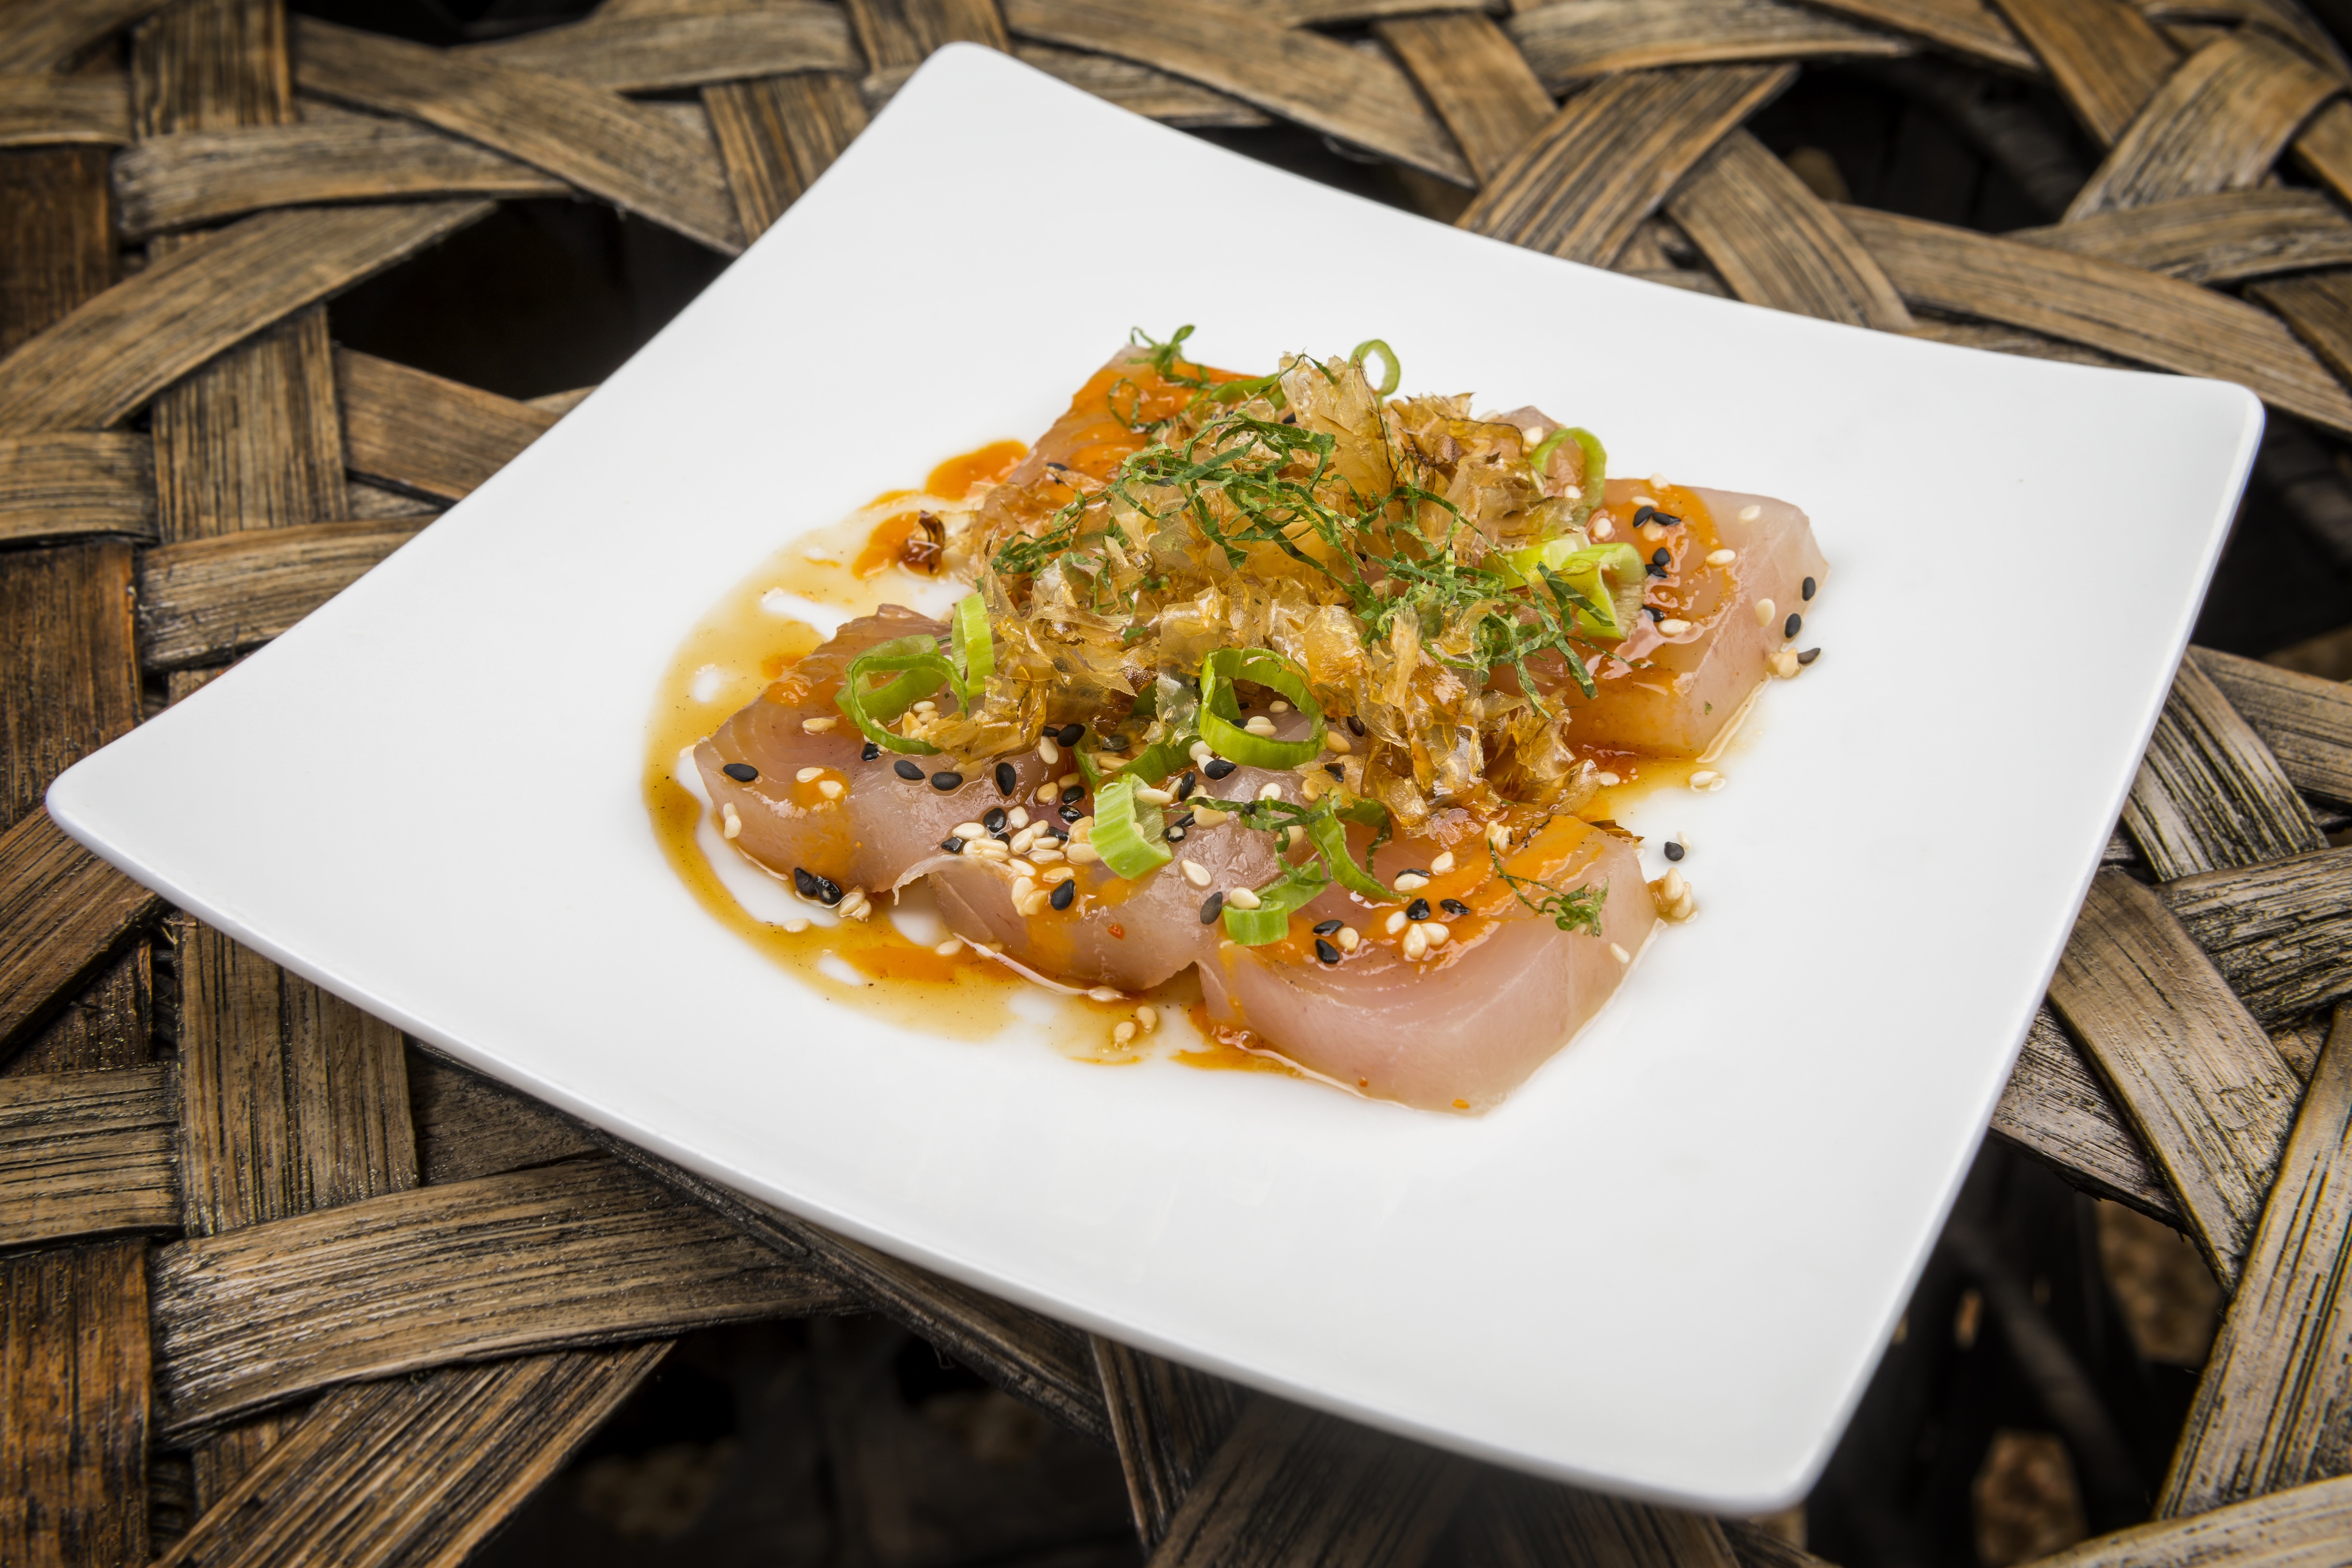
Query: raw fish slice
x,y
1464,1027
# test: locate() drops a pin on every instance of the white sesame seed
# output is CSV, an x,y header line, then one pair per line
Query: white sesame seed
x,y
1149,1017
1242,898
1411,882
806,774
1259,725
857,910
1764,612
1020,867
1533,435
950,948
1195,873
1608,780
987,848
1683,838
1416,944
1269,792
968,831
1102,994
1658,481
1671,627
818,725
1645,500
1022,839
1721,557
1499,835
1397,923
1435,932
1123,1032
1153,797
796,925
1024,884
1671,886
731,824
1442,864
1652,532
1620,954
926,705
1045,794
1048,752
1201,754
1046,854
1338,742
1209,817
1066,780
1036,904
1052,876
1703,779
818,554
1018,817
1750,513
1784,664
1571,492
831,788
1278,706
1291,835
1082,853
1717,783
1604,529
1347,937
1084,828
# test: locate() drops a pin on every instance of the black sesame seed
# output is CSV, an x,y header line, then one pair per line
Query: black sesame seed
x,y
1419,871
1675,850
1643,514
1326,928
1007,781
947,778
1453,906
1174,835
1808,655
1335,770
1064,895
911,772
1075,792
1667,519
741,772
1789,627
803,882
1071,812
1325,951
1807,588
872,751
1217,767
1655,569
1183,821
1654,612
1070,734
994,819
953,844
1186,785
1059,833
1417,910
1355,725
1662,556
1210,907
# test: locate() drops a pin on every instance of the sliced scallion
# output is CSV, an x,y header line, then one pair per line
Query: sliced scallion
x,y
969,646
1277,901
1221,714
1329,834
1128,832
921,669
1389,383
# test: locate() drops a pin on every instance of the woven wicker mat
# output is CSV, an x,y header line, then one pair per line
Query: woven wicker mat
x,y
231,1246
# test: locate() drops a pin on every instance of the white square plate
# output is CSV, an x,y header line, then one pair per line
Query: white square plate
x,y
1668,1265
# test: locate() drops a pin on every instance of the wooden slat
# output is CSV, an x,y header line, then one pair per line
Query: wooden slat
x,y
589,136
64,913
1610,155
205,177
2281,931
468,1126
1140,89
108,1024
414,1471
73,1383
2136,315
48,34
582,1253
895,32
2306,721
1477,80
202,603
2318,306
1572,41
252,439
211,65
1970,28
64,619
2220,239
2209,793
82,1154
2200,1079
2105,58
2056,1108
2271,1406
1041,1359
47,111
637,53
1329,13
777,134
1167,1420
1298,75
1290,1486
2324,150
424,433
54,486
2283,19
113,353
1778,245
2305,1526
2218,124
58,246
1517,1521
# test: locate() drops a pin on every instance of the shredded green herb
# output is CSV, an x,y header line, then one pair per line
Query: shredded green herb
x,y
1569,908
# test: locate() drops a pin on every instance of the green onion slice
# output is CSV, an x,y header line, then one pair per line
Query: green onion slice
x,y
1329,834
1395,376
1277,902
1605,584
924,669
1221,712
970,647
1596,466
1128,832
